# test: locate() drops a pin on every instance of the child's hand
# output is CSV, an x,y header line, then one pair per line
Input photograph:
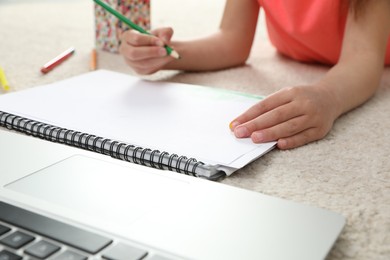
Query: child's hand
x,y
292,116
146,54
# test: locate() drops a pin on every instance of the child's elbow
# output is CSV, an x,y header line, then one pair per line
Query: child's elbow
x,y
239,56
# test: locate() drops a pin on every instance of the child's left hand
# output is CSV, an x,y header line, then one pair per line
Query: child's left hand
x,y
292,116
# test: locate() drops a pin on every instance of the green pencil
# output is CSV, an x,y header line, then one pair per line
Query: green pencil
x,y
132,25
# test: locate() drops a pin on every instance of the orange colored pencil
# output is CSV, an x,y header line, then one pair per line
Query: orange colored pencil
x,y
93,63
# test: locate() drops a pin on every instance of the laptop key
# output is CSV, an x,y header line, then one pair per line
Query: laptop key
x,y
7,255
42,249
124,252
17,239
3,230
70,255
158,257
73,236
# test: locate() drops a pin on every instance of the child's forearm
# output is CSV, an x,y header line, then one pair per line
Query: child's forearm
x,y
353,82
357,75
228,47
217,51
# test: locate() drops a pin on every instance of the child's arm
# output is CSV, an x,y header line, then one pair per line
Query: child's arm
x,y
230,46
302,114
362,58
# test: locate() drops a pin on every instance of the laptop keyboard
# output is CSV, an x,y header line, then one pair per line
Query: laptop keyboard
x,y
27,235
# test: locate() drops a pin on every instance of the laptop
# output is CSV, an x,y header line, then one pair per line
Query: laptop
x,y
59,202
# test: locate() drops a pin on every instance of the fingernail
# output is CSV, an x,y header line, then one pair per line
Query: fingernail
x,y
233,125
241,132
165,39
162,52
160,43
257,137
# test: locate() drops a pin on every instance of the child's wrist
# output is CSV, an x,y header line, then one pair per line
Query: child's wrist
x,y
328,91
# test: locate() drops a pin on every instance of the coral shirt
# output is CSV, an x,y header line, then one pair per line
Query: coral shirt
x,y
307,30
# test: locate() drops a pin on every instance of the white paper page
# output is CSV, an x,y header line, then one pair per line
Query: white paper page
x,y
177,118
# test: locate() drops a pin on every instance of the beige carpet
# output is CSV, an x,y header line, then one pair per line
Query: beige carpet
x,y
347,172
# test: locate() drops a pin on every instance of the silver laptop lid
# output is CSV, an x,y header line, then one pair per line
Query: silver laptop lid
x,y
180,215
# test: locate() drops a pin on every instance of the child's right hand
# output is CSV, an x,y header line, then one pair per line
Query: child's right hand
x,y
146,54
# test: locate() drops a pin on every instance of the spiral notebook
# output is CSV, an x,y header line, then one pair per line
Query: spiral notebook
x,y
170,126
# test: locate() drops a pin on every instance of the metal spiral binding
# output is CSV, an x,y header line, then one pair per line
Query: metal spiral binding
x,y
118,150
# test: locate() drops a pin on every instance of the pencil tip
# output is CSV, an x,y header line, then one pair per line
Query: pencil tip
x,y
174,54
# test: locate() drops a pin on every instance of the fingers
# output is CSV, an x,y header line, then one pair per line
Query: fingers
x,y
158,37
280,130
292,133
165,34
142,53
273,101
285,116
293,117
148,66
273,110
136,46
146,53
135,38
305,137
